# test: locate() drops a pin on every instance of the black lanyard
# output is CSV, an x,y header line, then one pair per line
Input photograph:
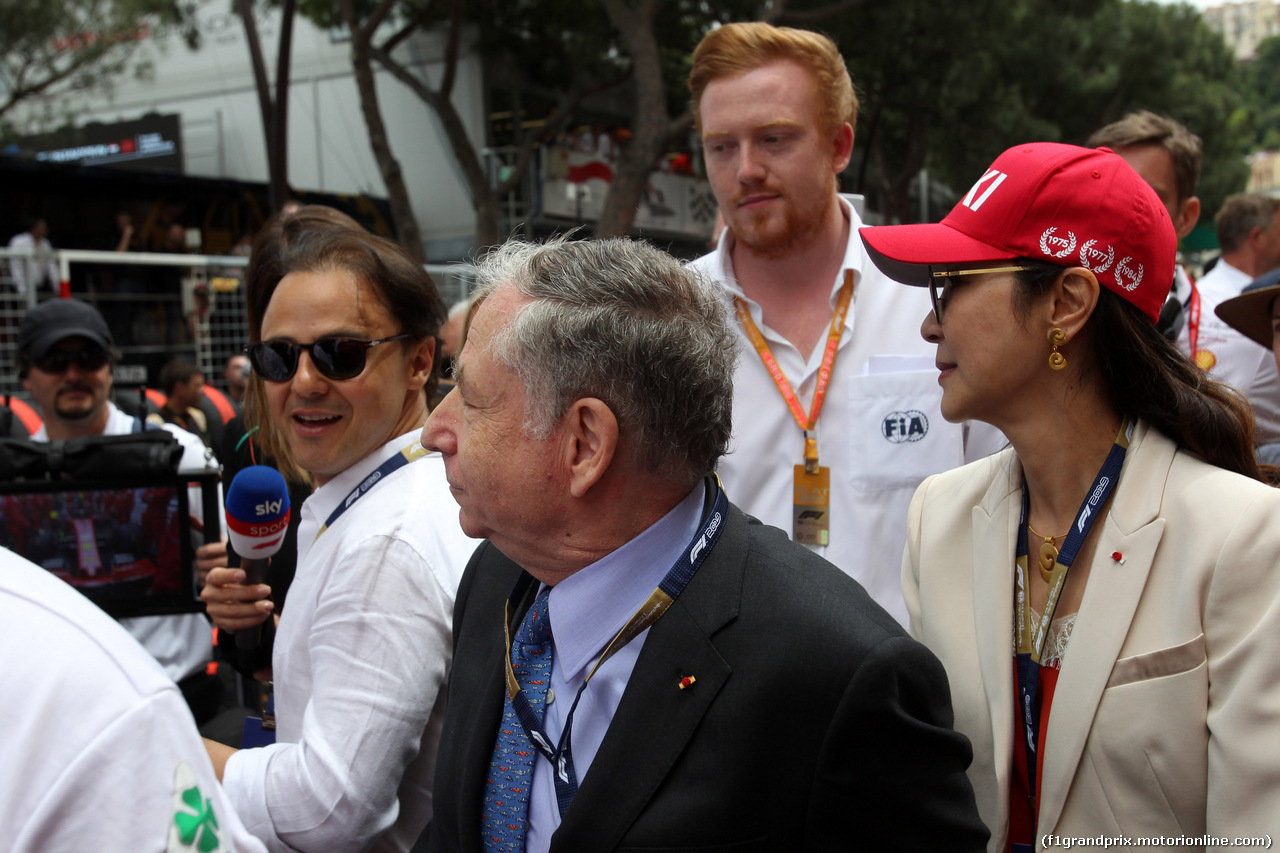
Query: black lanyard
x,y
412,453
1030,635
672,584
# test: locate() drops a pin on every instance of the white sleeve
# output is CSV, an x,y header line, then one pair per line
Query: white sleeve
x,y
143,783
1263,392
379,646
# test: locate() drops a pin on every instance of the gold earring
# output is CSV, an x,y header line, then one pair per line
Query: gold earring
x,y
1057,360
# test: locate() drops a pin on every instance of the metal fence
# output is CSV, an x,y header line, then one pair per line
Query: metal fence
x,y
158,306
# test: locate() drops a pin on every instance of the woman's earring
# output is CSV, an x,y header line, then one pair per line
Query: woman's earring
x,y
1057,360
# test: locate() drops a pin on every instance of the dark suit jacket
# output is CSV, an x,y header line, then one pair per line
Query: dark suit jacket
x,y
815,722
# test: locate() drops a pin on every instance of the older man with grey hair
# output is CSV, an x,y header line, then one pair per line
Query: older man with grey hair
x,y
680,674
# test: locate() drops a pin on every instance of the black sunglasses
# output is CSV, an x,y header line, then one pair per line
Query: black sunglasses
x,y
940,293
58,360
335,358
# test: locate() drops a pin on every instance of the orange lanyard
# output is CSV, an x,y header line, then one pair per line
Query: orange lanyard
x,y
806,423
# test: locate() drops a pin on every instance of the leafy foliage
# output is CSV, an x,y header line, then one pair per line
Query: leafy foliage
x,y
49,47
952,85
1262,95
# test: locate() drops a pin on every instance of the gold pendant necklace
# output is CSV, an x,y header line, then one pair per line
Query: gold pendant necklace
x,y
1048,552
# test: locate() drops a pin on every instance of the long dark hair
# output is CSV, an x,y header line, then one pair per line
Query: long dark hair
x,y
1147,377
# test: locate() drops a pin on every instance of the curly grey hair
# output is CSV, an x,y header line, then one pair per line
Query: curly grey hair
x,y
626,323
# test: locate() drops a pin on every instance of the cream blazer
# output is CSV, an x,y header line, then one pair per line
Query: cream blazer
x,y
1166,716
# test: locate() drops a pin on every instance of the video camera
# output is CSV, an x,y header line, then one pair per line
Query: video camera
x,y
110,515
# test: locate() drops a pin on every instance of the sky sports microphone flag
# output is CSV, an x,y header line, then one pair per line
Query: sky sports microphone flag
x,y
257,512
257,517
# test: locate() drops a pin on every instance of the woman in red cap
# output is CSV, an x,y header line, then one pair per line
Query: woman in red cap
x,y
1104,593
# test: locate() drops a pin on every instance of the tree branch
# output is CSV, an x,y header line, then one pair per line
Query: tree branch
x,y
418,19
451,50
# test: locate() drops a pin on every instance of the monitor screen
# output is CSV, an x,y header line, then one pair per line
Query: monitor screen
x,y
127,547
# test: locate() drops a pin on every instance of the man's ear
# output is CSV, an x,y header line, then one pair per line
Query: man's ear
x,y
421,356
1188,216
842,147
589,435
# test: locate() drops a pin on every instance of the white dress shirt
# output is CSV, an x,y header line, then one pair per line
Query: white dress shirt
x,y
587,609
359,662
884,375
1237,361
99,746
183,643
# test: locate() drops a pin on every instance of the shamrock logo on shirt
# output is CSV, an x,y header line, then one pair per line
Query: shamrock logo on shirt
x,y
200,824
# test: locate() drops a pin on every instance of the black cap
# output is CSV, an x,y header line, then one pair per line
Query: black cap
x,y
58,319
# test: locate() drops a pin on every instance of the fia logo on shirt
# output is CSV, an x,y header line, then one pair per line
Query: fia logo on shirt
x,y
901,427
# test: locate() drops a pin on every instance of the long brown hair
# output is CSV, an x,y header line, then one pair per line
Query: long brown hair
x,y
1147,377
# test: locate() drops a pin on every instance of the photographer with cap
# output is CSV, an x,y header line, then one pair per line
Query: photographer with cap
x,y
1116,564
65,358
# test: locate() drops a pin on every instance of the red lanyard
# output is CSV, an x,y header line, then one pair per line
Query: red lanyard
x,y
810,421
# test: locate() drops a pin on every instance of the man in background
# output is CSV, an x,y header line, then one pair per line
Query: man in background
x,y
236,374
183,387
1167,156
836,392
39,271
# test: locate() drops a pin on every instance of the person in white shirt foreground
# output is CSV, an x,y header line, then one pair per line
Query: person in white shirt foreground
x,y
100,750
344,327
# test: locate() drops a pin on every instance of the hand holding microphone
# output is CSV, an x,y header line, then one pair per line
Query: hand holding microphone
x,y
257,517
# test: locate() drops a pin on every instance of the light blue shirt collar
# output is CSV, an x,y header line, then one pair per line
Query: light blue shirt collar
x,y
590,606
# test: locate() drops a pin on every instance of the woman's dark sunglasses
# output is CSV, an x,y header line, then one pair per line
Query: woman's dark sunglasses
x,y
335,358
58,360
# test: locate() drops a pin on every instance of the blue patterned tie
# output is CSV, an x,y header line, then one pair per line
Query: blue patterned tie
x,y
505,815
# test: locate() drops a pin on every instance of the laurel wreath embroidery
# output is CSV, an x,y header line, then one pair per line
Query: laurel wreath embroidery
x,y
1123,272
1044,243
1087,252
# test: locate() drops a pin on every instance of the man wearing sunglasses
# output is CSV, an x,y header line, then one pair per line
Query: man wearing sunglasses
x,y
64,360
345,324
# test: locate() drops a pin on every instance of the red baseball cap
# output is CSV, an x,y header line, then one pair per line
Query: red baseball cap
x,y
1045,201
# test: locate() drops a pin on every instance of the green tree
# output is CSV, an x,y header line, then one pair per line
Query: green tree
x,y
52,47
951,86
1262,95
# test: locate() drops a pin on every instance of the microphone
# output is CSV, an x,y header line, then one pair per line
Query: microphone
x,y
257,517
